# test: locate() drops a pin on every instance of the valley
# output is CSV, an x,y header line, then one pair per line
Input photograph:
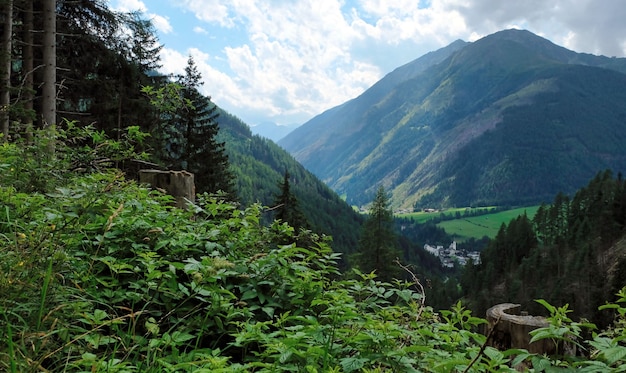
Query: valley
x,y
462,228
510,119
338,249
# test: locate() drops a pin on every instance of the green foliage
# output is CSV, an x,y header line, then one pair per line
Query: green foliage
x,y
187,133
28,167
102,275
604,352
562,330
378,246
286,206
574,243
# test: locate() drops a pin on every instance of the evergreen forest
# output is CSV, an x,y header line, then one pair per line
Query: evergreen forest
x,y
267,269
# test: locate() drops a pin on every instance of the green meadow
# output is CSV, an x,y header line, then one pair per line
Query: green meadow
x,y
464,228
422,216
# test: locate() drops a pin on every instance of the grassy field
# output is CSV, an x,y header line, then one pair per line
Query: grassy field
x,y
422,217
484,225
476,226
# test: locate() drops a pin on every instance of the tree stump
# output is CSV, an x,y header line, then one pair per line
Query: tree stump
x,y
511,330
179,184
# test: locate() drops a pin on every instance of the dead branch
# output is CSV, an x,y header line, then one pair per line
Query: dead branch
x,y
419,285
484,345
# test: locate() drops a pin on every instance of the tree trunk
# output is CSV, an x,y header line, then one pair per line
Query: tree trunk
x,y
6,16
48,105
179,184
28,67
510,328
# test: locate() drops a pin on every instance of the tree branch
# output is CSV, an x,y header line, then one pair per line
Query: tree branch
x,y
482,348
419,285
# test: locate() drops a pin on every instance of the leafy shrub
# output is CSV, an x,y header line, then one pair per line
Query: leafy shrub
x,y
99,274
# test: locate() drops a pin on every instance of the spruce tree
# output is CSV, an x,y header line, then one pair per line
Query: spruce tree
x,y
195,147
378,246
287,208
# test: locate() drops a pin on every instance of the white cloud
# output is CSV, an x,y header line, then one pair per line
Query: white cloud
x,y
200,30
209,10
296,62
582,25
161,23
216,83
130,6
302,57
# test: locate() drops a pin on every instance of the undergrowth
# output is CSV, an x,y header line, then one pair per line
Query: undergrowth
x,y
99,274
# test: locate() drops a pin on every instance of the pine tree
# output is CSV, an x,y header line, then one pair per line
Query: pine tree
x,y
287,208
195,147
378,246
104,59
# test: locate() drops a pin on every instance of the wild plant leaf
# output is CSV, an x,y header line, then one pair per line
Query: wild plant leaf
x,y
540,363
180,337
269,311
614,354
351,364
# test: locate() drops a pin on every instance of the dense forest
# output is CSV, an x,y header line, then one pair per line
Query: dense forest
x,y
571,252
509,119
267,270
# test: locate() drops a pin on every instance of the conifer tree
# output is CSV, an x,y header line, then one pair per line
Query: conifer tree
x,y
194,144
287,208
378,246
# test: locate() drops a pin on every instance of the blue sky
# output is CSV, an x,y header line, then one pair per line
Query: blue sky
x,y
285,61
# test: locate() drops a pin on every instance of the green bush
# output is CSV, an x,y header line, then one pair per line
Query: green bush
x,y
99,274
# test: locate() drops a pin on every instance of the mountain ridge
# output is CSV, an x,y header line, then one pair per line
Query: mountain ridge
x,y
407,138
259,165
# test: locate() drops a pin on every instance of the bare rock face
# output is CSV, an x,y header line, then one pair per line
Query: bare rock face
x,y
511,329
179,184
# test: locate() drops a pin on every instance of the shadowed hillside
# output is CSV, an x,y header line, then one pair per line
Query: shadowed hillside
x,y
509,119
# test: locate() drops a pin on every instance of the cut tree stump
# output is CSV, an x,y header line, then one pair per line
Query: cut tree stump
x,y
179,184
511,329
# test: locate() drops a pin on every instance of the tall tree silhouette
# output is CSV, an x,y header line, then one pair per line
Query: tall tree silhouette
x,y
378,246
287,209
194,144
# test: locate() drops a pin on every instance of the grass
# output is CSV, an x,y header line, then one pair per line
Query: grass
x,y
485,225
422,216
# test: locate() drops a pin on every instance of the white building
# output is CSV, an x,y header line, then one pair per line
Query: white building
x,y
451,255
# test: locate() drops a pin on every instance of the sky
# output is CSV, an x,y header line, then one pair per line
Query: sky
x,y
286,61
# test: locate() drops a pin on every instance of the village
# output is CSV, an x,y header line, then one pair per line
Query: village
x,y
450,256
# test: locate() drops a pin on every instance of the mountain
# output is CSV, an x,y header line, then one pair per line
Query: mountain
x,y
272,131
509,119
259,166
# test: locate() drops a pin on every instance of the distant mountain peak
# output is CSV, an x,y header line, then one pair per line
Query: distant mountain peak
x,y
509,118
272,131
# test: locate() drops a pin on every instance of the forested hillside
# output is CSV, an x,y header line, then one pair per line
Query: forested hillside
x,y
100,274
259,164
572,252
111,82
510,119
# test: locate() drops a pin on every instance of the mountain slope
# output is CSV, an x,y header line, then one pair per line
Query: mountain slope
x,y
330,131
511,118
259,165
